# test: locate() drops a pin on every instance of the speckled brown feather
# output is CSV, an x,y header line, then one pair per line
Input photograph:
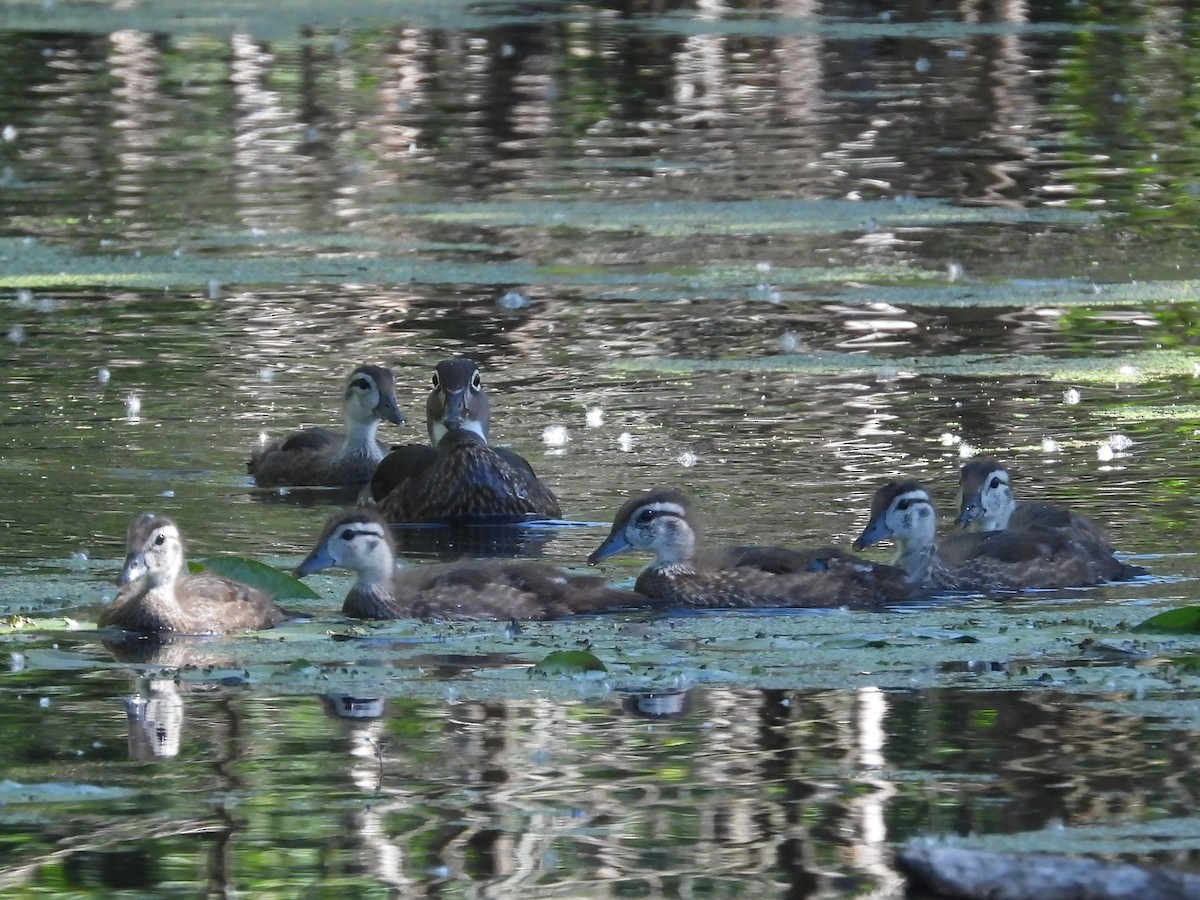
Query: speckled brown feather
x,y
472,589
314,456
203,603
469,482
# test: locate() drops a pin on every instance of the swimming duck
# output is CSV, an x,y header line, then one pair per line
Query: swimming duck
x,y
660,522
460,479
1015,559
360,540
319,456
153,598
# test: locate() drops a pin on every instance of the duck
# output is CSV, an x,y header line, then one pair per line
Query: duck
x,y
986,503
360,541
661,522
459,478
154,599
1010,560
321,457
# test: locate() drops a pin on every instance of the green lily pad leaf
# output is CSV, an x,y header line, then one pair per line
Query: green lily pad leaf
x,y
1185,620
570,662
276,582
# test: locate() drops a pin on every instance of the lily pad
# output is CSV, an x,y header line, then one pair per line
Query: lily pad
x,y
1185,620
273,581
569,662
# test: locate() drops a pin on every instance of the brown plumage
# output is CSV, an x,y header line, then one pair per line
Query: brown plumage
x,y
660,522
318,456
986,503
359,540
1001,560
154,598
460,479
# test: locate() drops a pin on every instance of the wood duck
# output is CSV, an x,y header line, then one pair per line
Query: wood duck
x,y
153,598
360,540
460,479
319,456
1011,560
660,522
986,503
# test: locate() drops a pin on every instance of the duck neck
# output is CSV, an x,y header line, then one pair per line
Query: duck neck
x,y
916,558
360,438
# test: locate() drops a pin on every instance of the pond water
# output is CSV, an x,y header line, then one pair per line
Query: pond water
x,y
771,253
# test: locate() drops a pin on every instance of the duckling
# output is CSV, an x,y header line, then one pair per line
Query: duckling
x,y
999,560
153,598
360,540
460,479
660,522
318,456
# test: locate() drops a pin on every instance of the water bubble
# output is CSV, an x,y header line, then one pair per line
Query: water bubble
x,y
450,694
103,375
1128,371
16,334
214,289
312,134
921,65
9,133
513,300
555,436
16,662
1071,396
955,271
79,559
763,266
1105,452
1120,442
949,440
44,702
167,493
594,417
133,407
1050,445
789,342
266,374
625,442
887,374
45,304
687,459
262,439
24,297
966,451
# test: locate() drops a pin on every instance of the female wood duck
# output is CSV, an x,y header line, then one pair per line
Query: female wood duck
x,y
318,456
460,479
154,598
361,541
1016,559
660,522
986,503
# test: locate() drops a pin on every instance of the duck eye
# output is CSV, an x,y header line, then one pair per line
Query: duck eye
x,y
645,516
476,381
995,483
347,535
903,505
159,540
361,383
437,382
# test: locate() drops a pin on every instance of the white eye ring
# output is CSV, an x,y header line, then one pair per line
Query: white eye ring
x,y
476,381
437,382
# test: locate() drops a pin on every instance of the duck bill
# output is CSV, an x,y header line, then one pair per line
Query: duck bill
x,y
316,561
388,410
134,568
875,532
969,510
615,543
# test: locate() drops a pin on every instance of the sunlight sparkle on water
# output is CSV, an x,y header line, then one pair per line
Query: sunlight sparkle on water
x,y
594,417
16,334
133,407
103,375
555,436
266,375
966,451
1050,445
687,459
625,442
1071,396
